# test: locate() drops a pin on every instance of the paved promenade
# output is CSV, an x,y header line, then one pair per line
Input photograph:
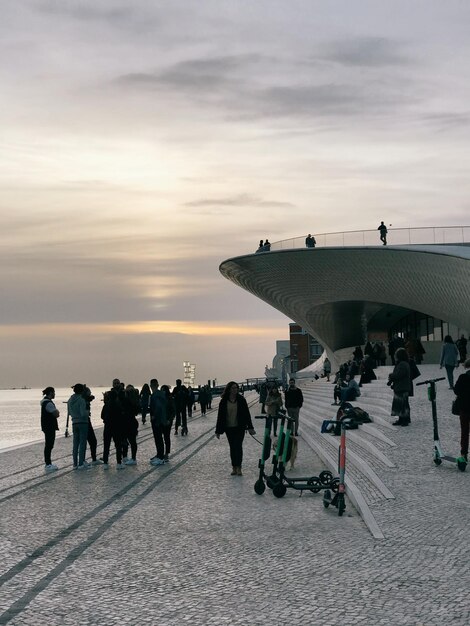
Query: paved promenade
x,y
188,543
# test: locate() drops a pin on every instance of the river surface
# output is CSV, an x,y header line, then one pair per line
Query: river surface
x,y
20,414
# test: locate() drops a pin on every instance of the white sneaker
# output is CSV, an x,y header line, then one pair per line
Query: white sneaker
x,y
97,462
131,462
86,464
105,466
120,466
125,459
51,468
83,467
157,462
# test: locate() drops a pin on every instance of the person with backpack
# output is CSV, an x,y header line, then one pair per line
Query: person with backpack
x,y
49,426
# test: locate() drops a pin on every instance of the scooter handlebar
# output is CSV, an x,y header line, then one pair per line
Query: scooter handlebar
x,y
430,380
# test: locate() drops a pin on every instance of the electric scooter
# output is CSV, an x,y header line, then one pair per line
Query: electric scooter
x,y
439,455
338,487
260,485
280,482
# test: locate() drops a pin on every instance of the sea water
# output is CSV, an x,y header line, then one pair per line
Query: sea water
x,y
20,414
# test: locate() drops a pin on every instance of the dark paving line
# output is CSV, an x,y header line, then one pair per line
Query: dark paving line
x,y
65,532
74,554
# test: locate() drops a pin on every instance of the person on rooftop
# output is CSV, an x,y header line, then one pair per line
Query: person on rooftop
x,y
383,233
310,241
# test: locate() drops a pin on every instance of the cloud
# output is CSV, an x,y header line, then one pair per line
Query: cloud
x,y
373,52
87,12
244,200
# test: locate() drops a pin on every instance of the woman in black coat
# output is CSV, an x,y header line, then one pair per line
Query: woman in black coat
x,y
400,381
462,391
234,420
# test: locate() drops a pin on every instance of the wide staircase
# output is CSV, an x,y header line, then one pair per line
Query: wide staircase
x,y
368,447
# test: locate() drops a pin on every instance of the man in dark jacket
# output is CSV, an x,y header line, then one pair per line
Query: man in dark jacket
x,y
294,400
180,397
462,391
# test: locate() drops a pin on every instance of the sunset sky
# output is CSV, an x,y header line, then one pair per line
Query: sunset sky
x,y
144,142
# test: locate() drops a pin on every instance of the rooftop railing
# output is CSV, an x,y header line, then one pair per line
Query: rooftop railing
x,y
395,236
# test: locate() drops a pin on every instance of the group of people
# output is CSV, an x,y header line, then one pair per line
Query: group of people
x,y
121,406
263,246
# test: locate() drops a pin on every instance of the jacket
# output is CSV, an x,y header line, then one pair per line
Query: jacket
x,y
243,415
462,391
48,420
401,377
294,398
158,408
76,407
449,355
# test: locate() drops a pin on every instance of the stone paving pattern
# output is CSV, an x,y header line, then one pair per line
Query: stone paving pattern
x,y
188,543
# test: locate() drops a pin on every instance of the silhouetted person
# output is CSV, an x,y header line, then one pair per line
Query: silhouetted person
x,y
310,241
383,233
267,246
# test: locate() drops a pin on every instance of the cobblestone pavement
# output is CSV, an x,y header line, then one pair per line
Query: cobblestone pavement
x,y
188,543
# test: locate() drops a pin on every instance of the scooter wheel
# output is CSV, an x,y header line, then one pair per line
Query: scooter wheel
x,y
314,484
326,498
335,485
271,481
437,461
259,487
279,490
461,465
326,477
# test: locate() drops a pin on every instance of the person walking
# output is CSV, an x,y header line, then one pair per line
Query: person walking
x,y
383,233
462,391
202,399
145,394
179,395
294,399
274,405
234,419
327,368
49,426
400,381
190,400
77,410
449,358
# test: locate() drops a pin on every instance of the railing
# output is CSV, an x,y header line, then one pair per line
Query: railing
x,y
395,236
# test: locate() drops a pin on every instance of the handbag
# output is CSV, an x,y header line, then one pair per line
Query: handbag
x,y
455,407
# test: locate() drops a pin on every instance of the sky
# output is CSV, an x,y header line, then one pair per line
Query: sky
x,y
142,143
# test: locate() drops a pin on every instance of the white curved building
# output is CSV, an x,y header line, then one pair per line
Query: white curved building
x,y
342,294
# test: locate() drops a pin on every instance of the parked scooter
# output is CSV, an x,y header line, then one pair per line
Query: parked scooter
x,y
279,481
339,486
439,455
